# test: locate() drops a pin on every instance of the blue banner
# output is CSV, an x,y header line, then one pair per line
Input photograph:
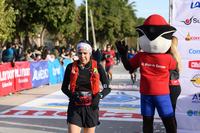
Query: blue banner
x,y
55,72
66,62
39,73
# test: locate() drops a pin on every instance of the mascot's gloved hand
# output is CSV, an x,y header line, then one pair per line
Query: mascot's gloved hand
x,y
95,102
77,98
122,49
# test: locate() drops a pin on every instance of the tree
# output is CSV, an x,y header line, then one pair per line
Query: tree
x,y
112,20
56,16
7,21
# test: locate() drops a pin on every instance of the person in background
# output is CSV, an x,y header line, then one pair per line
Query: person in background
x,y
41,48
20,52
45,54
93,52
134,71
108,59
72,54
174,84
3,47
84,94
72,48
56,52
97,56
33,54
38,55
15,55
28,54
117,57
9,56
8,46
63,54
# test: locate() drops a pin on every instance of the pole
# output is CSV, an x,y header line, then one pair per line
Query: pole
x,y
87,38
126,41
93,32
170,10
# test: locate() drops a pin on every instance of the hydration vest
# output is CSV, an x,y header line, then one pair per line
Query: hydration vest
x,y
94,78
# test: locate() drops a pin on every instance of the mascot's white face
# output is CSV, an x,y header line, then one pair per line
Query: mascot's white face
x,y
155,37
158,45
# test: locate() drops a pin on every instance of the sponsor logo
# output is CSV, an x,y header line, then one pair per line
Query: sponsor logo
x,y
196,80
56,71
193,113
194,64
195,5
196,98
191,20
188,38
40,74
193,51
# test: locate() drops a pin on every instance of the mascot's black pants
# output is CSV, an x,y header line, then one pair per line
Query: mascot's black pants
x,y
168,122
175,91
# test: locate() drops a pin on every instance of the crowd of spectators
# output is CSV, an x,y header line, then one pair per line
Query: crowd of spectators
x,y
15,52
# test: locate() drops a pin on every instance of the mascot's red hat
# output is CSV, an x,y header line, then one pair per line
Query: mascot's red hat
x,y
155,34
154,26
155,20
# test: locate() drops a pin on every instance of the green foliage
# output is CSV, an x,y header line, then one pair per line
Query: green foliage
x,y
112,20
56,15
7,19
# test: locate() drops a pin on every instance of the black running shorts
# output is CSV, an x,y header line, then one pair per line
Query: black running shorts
x,y
82,116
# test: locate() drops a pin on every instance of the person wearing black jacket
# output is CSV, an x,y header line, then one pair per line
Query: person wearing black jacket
x,y
15,55
84,93
174,84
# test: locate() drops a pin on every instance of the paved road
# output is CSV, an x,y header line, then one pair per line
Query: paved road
x,y
14,121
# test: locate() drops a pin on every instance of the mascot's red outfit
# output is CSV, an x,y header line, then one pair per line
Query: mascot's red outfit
x,y
155,37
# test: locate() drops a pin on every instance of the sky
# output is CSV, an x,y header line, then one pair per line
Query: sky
x,y
145,8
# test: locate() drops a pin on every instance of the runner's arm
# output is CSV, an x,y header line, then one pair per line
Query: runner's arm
x,y
66,80
104,81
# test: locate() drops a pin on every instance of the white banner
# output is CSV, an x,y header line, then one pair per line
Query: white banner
x,y
186,19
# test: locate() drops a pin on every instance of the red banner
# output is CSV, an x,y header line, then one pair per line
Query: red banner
x,y
7,75
22,76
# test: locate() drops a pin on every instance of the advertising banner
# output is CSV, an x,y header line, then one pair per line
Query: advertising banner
x,y
55,71
22,75
39,73
186,19
7,75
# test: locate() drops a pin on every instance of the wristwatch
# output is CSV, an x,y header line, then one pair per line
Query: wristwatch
x,y
101,95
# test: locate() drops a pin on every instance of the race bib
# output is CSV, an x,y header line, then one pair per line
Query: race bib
x,y
86,96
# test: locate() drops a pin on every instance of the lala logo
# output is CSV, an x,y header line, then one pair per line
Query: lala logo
x,y
195,5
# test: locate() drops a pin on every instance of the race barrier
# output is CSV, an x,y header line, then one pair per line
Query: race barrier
x,y
26,75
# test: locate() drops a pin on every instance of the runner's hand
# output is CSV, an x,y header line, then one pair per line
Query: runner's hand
x,y
77,98
121,47
95,102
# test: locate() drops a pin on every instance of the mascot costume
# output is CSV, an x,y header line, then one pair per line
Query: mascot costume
x,y
155,37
